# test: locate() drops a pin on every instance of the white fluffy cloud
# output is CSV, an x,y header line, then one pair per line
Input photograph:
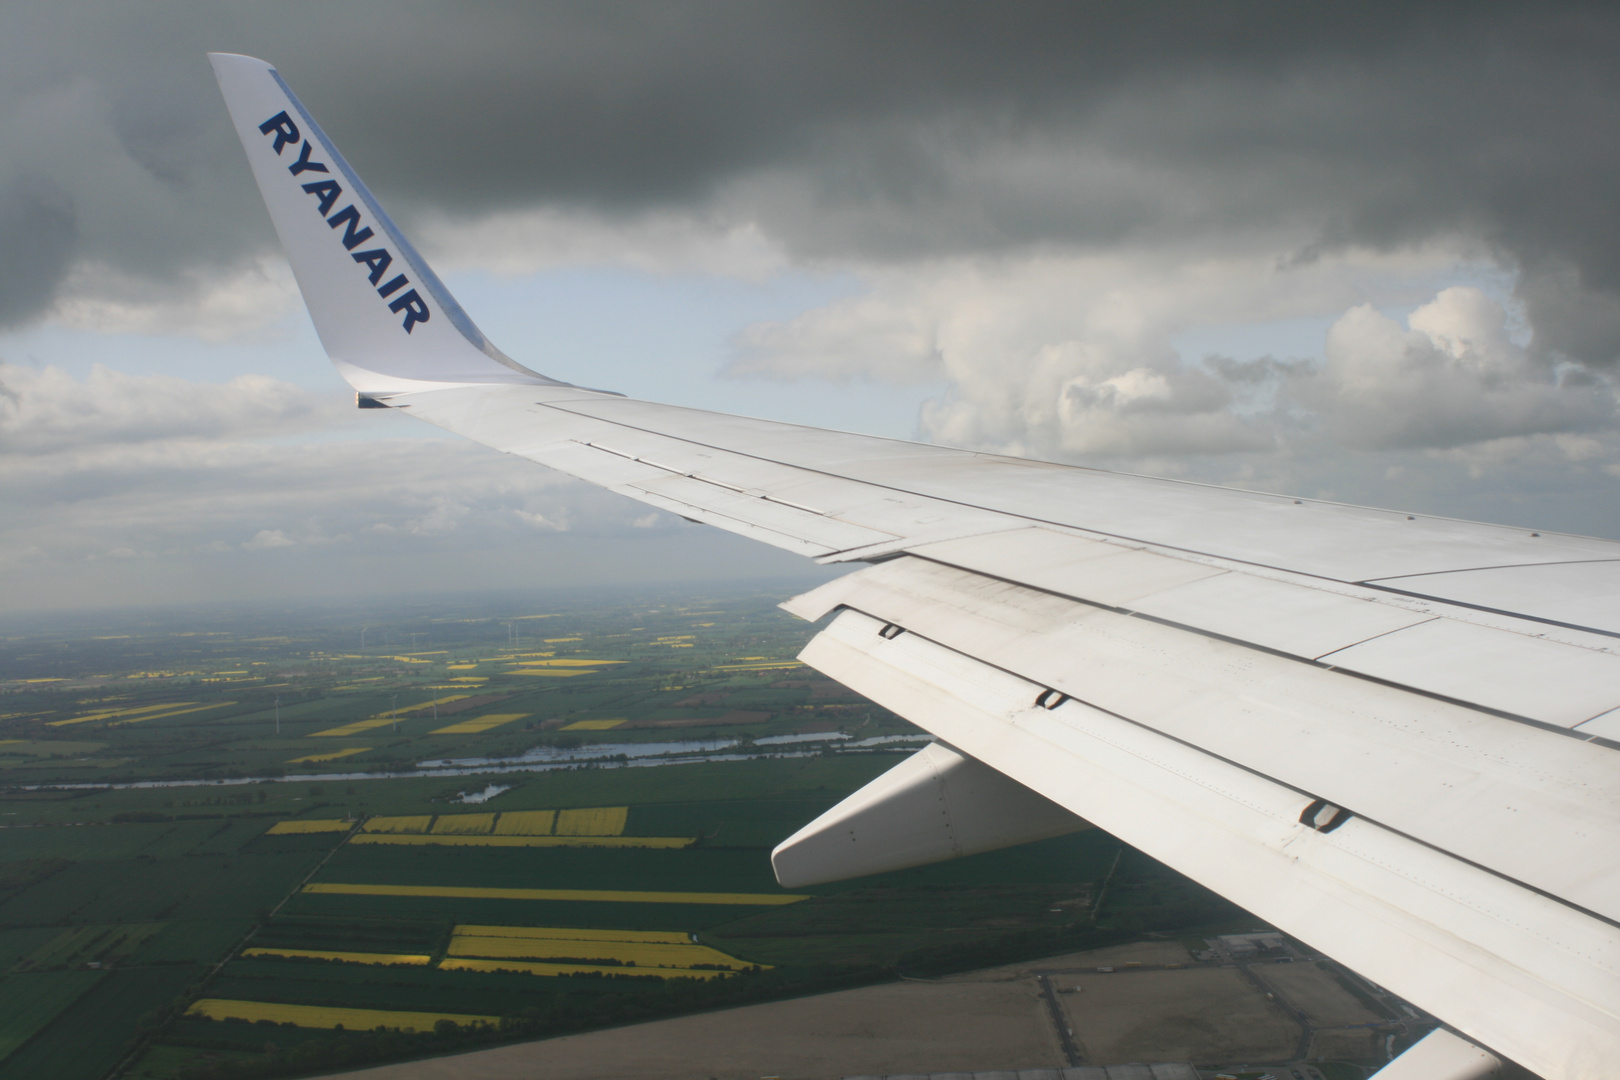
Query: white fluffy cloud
x,y
1449,378
47,410
123,489
1075,356
1451,408
249,302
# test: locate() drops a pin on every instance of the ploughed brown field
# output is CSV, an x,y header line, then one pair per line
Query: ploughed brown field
x,y
979,1021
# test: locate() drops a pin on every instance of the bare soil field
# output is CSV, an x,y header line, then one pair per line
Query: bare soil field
x,y
895,1028
1313,990
1144,952
1355,1045
981,1020
1196,1014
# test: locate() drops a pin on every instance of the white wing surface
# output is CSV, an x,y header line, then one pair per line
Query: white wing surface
x,y
1394,736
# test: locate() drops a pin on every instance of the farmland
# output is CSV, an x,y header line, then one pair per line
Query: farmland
x,y
273,843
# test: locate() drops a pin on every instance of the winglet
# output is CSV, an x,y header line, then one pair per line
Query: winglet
x,y
386,320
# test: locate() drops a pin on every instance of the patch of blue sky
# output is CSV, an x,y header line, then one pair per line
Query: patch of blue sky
x,y
667,338
662,337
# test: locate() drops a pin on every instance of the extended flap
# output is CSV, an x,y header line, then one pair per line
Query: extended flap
x,y
937,804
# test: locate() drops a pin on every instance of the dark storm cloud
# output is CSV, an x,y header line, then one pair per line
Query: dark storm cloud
x,y
868,131
37,233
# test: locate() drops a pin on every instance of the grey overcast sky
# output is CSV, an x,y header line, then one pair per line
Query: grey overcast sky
x,y
1361,251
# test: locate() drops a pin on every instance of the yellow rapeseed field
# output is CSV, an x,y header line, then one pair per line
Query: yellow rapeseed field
x,y
310,759
480,724
384,719
611,896
640,953
553,673
530,967
567,661
106,713
282,828
166,715
464,824
526,823
770,666
149,712
453,840
592,821
322,1016
414,959
413,823
356,728
595,725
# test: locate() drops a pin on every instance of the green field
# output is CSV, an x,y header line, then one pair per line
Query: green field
x,y
29,1002
89,1038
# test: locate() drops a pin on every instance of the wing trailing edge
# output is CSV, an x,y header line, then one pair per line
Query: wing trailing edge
x,y
1440,1055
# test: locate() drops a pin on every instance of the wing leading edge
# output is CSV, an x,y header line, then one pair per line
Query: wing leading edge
x,y
1391,735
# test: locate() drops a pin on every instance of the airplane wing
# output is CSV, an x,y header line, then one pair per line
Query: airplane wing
x,y
1388,734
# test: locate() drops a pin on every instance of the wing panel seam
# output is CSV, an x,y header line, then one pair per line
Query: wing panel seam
x,y
1501,714
1012,516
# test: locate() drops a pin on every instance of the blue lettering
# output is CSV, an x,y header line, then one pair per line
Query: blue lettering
x,y
327,191
394,285
378,259
285,130
303,164
349,217
414,307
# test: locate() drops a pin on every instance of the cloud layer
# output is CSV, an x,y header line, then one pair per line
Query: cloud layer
x,y
1038,209
128,489
867,133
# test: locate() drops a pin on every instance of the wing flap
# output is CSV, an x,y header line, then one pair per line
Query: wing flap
x,y
937,804
1550,676
1529,803
1533,978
